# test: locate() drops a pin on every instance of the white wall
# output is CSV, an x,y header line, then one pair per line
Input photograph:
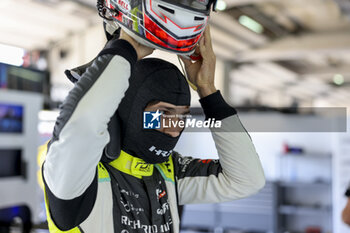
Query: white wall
x,y
270,147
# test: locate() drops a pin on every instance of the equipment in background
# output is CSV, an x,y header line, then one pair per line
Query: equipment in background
x,y
19,140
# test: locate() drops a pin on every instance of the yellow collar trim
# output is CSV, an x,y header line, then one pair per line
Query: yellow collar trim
x,y
132,165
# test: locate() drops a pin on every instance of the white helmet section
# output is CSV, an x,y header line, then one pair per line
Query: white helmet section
x,y
180,22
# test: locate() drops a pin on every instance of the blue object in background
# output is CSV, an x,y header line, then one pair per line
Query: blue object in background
x,y
11,118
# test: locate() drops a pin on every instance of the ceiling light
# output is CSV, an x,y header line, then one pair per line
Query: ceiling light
x,y
338,79
221,5
251,24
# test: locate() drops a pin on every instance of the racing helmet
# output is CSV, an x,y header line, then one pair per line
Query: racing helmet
x,y
171,25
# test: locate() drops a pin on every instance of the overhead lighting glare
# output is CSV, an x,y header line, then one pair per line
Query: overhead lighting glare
x,y
45,115
251,24
221,5
4,4
338,79
11,55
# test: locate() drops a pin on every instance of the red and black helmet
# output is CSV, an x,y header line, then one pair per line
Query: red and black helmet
x,y
171,25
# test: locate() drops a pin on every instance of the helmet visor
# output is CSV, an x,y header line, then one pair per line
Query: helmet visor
x,y
202,6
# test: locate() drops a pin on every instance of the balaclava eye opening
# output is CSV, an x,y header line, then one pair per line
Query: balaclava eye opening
x,y
151,80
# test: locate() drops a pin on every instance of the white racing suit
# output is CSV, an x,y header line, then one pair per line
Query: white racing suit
x,y
84,194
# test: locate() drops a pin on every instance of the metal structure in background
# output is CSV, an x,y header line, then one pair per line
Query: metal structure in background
x,y
307,47
279,207
257,213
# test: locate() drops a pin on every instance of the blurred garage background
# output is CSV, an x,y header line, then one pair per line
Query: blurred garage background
x,y
285,64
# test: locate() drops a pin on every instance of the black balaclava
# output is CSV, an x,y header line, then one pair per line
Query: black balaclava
x,y
151,80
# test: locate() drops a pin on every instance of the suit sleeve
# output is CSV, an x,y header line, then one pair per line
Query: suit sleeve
x,y
238,172
80,133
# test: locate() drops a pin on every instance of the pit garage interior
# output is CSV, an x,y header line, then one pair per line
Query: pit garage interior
x,y
284,64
